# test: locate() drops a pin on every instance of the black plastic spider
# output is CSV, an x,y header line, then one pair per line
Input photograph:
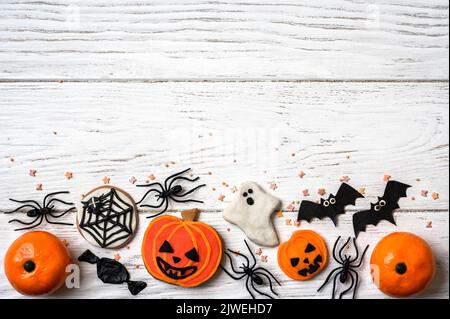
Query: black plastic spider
x,y
255,275
346,269
39,213
169,191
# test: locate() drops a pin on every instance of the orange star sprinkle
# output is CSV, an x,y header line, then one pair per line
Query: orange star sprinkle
x,y
68,175
106,180
362,190
263,259
133,180
305,192
435,196
258,251
424,193
288,222
273,186
301,174
429,224
280,213
117,257
344,179
290,207
321,191
38,187
151,177
386,177
32,172
296,223
221,197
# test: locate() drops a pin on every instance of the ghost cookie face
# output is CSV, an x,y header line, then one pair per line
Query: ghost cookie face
x,y
107,217
251,210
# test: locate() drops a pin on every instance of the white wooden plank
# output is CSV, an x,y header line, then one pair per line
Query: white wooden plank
x,y
228,133
221,286
188,39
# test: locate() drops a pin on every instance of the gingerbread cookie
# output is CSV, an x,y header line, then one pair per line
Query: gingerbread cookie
x,y
182,252
107,217
251,210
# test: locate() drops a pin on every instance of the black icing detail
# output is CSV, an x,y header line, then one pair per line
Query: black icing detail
x,y
295,261
111,271
176,259
306,260
309,248
38,213
175,272
401,268
250,201
166,247
245,194
250,191
111,222
193,255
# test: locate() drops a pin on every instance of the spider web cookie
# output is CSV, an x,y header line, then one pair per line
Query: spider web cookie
x,y
107,217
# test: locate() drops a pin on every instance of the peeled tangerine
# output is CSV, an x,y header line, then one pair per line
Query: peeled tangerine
x,y
36,263
402,264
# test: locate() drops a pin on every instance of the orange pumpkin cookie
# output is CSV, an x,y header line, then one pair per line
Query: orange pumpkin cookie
x,y
36,262
183,252
402,264
303,256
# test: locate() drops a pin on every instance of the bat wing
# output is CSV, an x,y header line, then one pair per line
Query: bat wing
x,y
394,191
309,210
362,219
345,196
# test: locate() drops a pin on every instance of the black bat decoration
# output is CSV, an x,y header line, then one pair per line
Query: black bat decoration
x,y
331,207
383,209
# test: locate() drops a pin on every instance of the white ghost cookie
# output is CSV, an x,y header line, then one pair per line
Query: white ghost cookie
x,y
251,210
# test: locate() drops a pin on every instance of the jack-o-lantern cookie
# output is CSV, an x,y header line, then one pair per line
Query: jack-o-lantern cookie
x,y
107,217
183,252
303,256
402,264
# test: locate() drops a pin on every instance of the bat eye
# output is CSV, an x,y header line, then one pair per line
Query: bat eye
x,y
333,201
377,208
382,203
326,203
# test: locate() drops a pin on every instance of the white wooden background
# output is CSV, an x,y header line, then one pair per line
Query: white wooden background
x,y
237,90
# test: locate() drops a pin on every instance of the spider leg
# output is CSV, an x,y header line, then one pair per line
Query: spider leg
x,y
161,212
251,253
182,178
334,285
41,217
232,266
55,223
258,291
339,261
356,250
52,194
259,269
328,278
152,206
59,201
229,274
268,279
24,223
356,281
248,288
186,201
174,175
362,258
148,192
238,253
191,191
63,213
19,208
26,201
342,248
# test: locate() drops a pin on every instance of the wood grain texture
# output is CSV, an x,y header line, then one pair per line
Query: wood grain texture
x,y
189,39
221,286
235,131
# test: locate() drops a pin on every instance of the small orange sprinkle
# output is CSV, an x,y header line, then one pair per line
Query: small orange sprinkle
x,y
280,213
38,187
435,196
305,192
68,175
290,207
221,197
273,186
133,180
106,180
362,190
424,193
117,257
386,177
137,266
301,174
234,189
417,179
296,223
151,177
32,172
209,173
263,259
321,191
213,189
288,222
344,179
258,251
429,224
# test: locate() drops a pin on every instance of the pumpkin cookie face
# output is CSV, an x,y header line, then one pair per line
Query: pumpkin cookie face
x,y
402,264
183,252
303,256
36,262
107,217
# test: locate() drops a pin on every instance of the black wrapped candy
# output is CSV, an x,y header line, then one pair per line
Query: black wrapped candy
x,y
111,271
